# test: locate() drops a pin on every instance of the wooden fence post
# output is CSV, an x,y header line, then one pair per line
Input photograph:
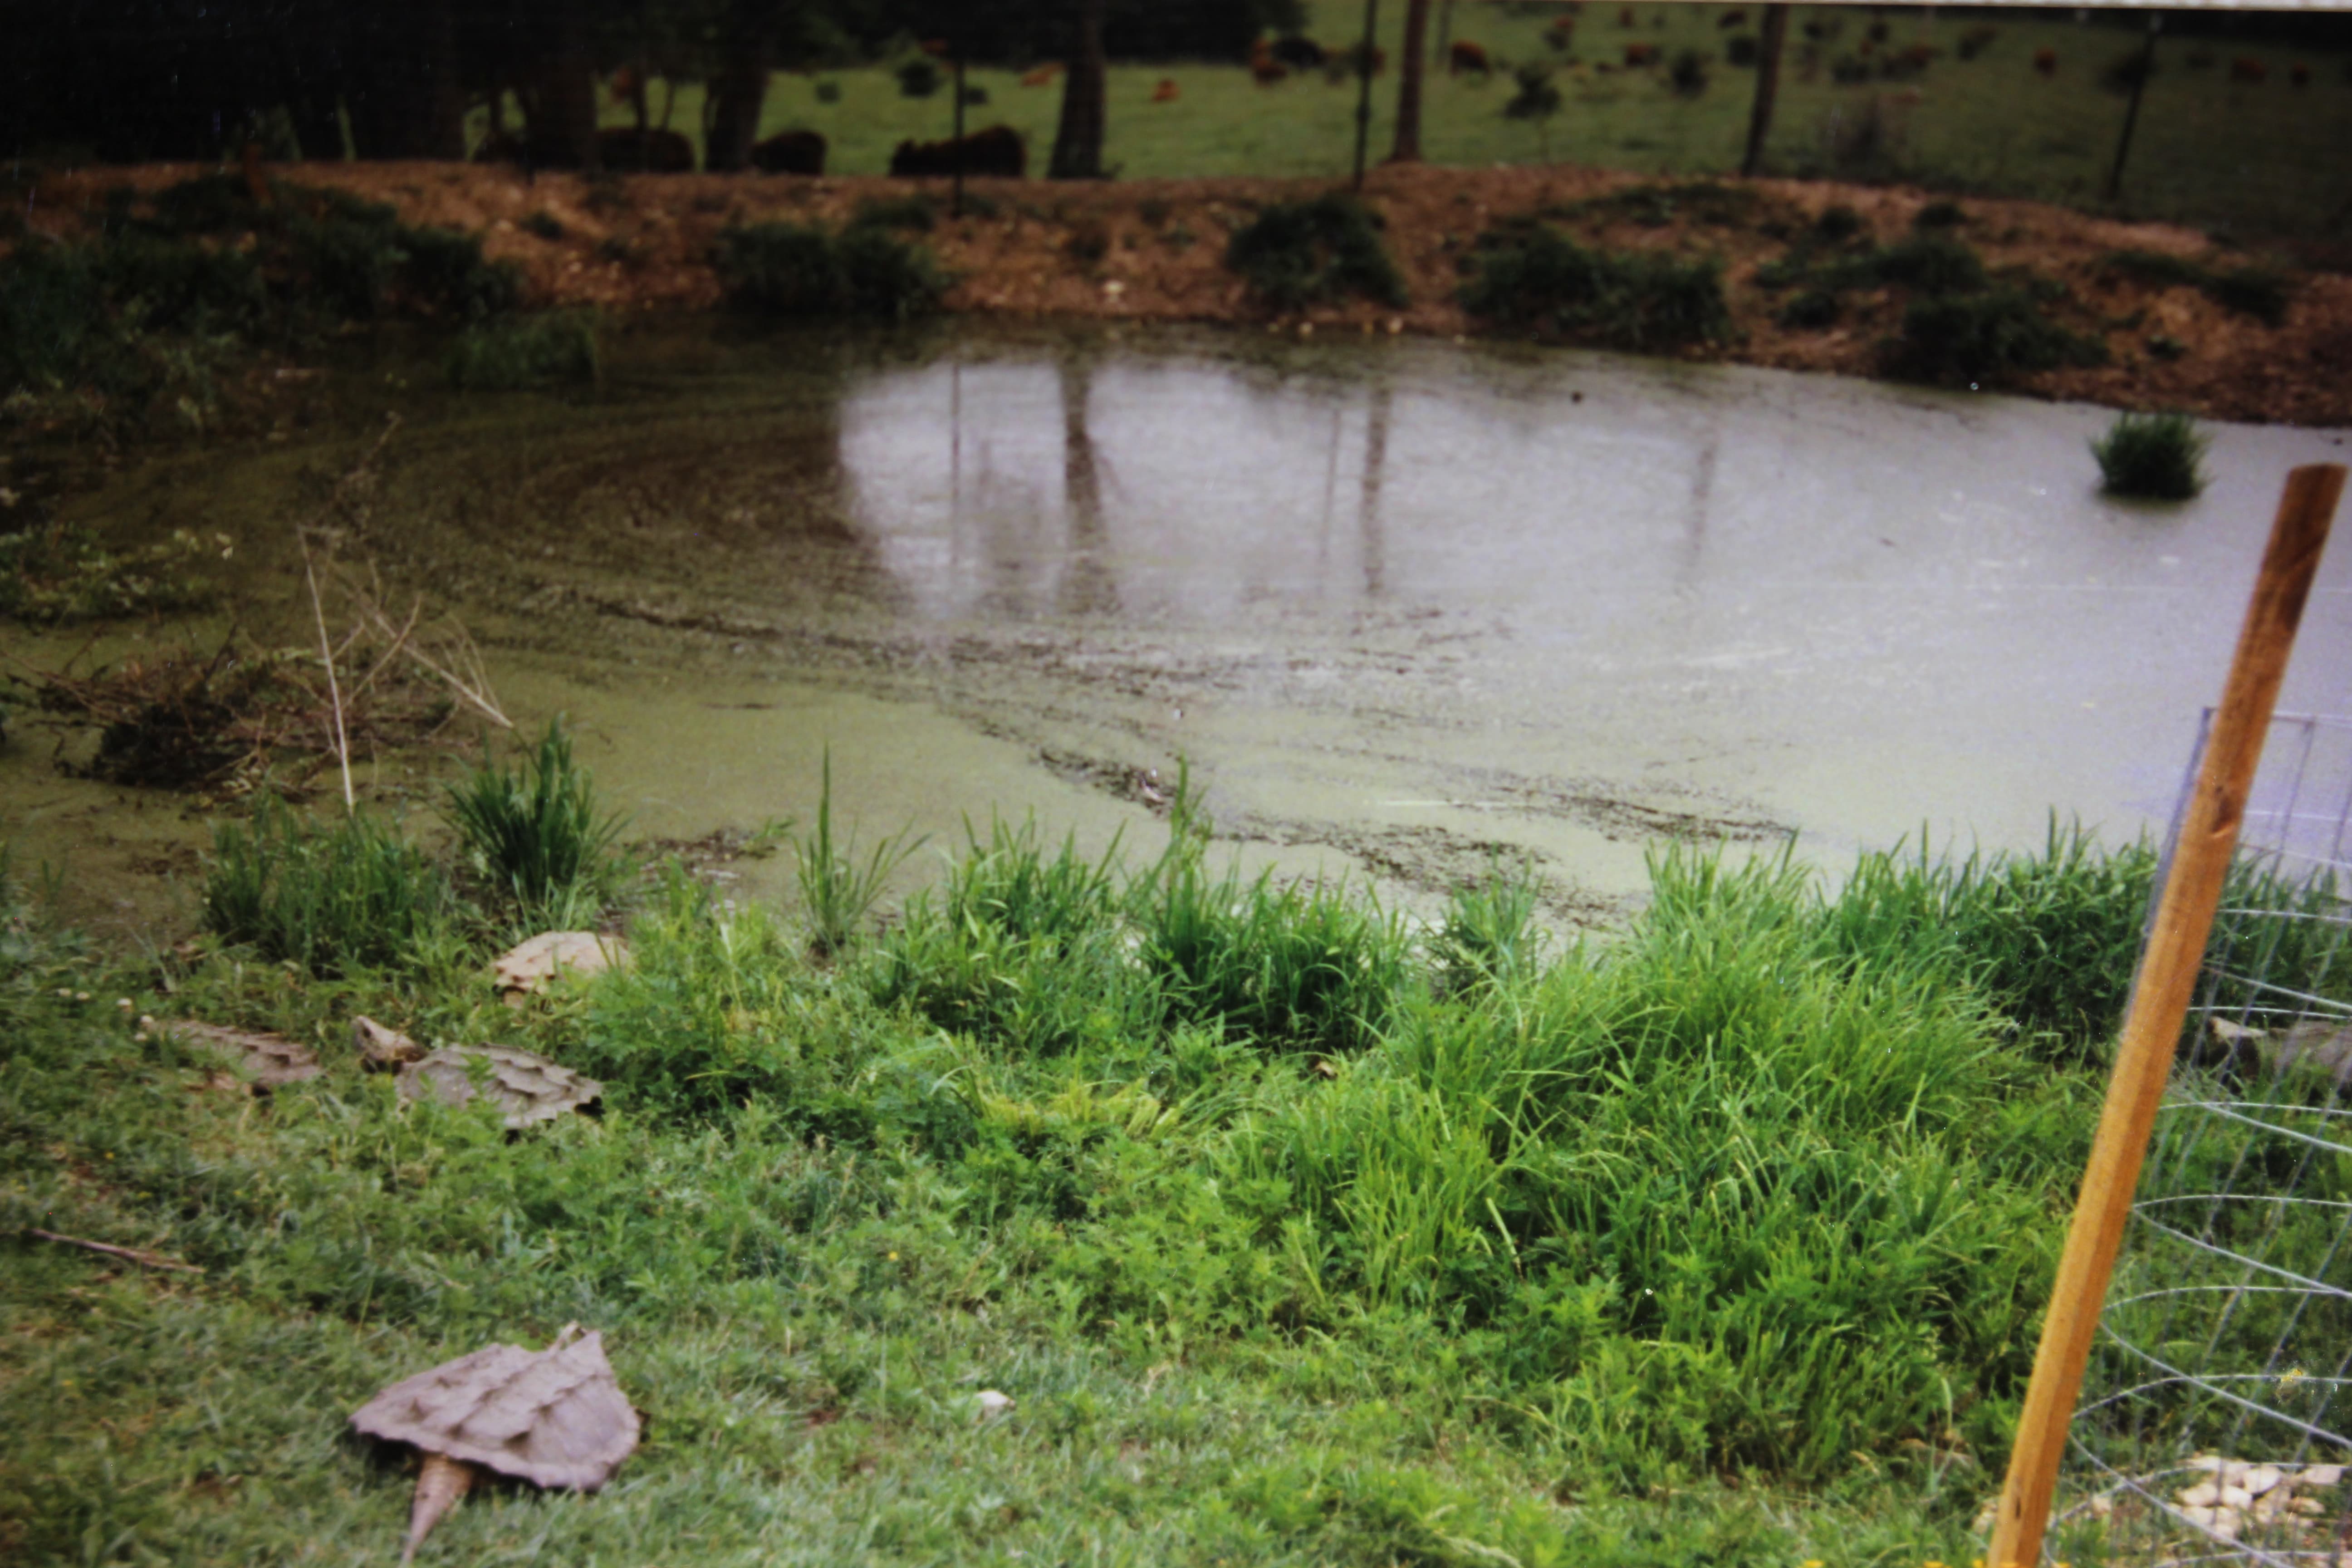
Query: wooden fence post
x,y
2159,1002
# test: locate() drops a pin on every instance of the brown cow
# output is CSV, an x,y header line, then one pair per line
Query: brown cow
x,y
2244,70
2299,74
789,152
2046,61
1625,17
1639,55
998,150
935,47
1265,71
1733,19
647,151
1041,75
1300,52
625,84
1166,91
1462,56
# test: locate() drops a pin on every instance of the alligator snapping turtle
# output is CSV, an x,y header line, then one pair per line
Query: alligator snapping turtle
x,y
528,1086
554,1417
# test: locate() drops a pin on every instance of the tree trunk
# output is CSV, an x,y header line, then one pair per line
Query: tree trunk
x,y
1078,142
407,102
1768,86
1408,78
562,133
741,88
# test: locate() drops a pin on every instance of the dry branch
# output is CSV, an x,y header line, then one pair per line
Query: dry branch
x,y
129,1253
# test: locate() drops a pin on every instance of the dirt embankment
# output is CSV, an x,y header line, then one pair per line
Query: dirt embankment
x,y
1153,250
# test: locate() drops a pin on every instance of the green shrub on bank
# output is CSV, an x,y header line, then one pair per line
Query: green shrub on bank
x,y
202,262
334,898
555,349
2152,456
1531,278
59,573
1295,253
795,270
1984,339
2260,292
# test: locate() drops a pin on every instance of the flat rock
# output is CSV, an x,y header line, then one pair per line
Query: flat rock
x,y
270,1059
554,1417
532,966
528,1086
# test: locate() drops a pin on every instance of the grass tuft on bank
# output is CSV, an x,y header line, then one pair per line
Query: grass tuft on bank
x,y
2151,456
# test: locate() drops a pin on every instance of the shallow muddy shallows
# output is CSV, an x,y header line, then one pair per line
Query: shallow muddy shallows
x,y
1403,606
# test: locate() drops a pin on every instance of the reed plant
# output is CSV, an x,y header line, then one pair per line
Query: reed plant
x,y
534,830
839,888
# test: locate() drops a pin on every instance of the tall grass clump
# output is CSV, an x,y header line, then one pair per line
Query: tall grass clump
x,y
2151,456
801,270
534,831
1531,278
1023,947
1490,938
838,889
1295,254
510,353
1292,966
332,898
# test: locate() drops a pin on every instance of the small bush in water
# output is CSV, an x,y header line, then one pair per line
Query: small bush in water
x,y
1299,253
2154,457
525,350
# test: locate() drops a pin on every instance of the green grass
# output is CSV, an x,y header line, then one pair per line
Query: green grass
x,y
838,888
2261,292
1295,1238
533,829
2151,456
2207,150
551,350
332,898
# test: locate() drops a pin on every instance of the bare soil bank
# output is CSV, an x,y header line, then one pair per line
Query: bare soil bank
x,y
1153,250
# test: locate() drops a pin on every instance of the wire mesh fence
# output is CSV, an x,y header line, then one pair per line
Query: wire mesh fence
x,y
2216,1419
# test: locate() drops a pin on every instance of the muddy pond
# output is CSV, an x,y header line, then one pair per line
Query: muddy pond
x,y
1402,606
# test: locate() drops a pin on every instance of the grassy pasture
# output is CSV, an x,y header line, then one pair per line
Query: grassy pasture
x,y
2209,149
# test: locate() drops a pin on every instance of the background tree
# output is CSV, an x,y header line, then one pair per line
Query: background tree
x,y
1767,85
1410,72
1078,139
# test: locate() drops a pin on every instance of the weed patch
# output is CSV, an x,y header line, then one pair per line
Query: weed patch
x,y
1531,278
534,830
1295,253
553,350
2260,292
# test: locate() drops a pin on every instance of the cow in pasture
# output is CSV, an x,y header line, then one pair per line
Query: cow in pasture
x,y
1463,56
1041,75
2299,74
1733,19
625,84
645,152
1166,91
2046,61
1300,52
2245,70
1640,55
998,150
1265,71
935,47
789,152
1625,17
